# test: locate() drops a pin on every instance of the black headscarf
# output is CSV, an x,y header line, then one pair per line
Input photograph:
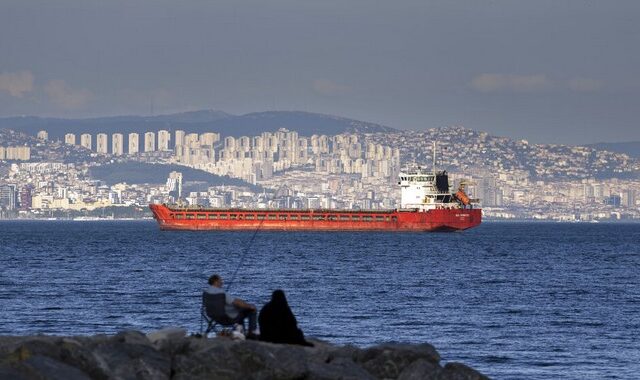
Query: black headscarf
x,y
277,322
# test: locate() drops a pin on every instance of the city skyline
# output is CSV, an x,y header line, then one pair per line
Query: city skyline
x,y
510,179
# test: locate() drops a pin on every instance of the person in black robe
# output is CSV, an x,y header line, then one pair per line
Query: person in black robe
x,y
277,323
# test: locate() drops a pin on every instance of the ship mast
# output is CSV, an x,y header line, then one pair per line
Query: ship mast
x,y
434,157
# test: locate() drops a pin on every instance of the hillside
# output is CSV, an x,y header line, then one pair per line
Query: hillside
x,y
251,124
141,173
631,149
462,149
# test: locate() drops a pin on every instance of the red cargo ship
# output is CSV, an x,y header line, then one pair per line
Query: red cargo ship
x,y
426,205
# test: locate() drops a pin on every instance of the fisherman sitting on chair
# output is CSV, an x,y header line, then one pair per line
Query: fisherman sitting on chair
x,y
235,309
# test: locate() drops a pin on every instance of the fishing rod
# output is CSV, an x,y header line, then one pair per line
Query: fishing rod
x,y
241,262
249,244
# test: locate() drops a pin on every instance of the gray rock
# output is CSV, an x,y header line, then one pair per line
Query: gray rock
x,y
169,354
339,368
333,352
166,334
389,360
42,367
79,354
131,337
459,371
421,369
226,359
207,359
8,372
132,356
21,350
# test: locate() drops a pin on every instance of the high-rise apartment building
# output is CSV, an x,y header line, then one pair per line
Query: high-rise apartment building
x,y
43,135
117,141
209,138
102,144
191,140
629,198
230,143
8,197
149,142
243,144
25,198
85,141
70,139
22,153
174,183
163,140
134,143
179,138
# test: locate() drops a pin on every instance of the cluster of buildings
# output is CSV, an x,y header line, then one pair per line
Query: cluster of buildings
x,y
511,179
118,144
463,149
255,158
302,190
34,188
15,153
517,195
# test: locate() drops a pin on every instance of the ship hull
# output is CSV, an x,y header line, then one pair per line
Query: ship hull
x,y
191,219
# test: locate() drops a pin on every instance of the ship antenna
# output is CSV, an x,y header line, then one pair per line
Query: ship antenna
x,y
434,157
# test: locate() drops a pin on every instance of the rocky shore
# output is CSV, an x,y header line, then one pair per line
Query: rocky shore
x,y
169,353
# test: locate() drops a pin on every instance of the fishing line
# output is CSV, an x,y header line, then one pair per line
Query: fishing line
x,y
246,249
241,262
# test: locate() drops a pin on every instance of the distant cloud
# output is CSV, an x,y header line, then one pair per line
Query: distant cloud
x,y
511,83
327,87
61,94
585,84
16,84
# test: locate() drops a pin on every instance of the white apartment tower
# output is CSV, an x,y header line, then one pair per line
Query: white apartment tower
x,y
230,143
243,144
85,141
209,138
117,140
179,138
163,140
191,140
134,143
22,153
70,139
43,135
149,142
174,183
101,143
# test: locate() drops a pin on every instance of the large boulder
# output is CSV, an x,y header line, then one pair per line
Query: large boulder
x,y
388,361
131,355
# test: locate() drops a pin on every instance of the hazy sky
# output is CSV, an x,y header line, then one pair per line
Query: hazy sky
x,y
548,71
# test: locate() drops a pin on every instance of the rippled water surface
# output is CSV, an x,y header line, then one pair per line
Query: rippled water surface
x,y
512,300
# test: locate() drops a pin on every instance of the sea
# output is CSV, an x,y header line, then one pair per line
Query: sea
x,y
513,300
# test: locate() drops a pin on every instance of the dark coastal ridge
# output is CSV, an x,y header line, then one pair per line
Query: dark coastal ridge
x,y
169,354
305,123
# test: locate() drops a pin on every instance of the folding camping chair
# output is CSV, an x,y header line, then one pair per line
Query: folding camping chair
x,y
213,312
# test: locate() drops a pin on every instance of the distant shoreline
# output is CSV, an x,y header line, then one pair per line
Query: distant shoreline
x,y
484,221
